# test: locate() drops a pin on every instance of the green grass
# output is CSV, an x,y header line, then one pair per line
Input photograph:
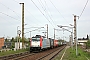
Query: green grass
x,y
71,55
12,52
87,54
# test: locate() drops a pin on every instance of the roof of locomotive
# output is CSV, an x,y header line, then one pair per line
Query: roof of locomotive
x,y
38,36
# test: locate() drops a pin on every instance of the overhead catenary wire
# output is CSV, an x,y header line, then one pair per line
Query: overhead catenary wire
x,y
28,13
42,5
46,11
9,16
6,20
42,13
16,1
58,10
84,8
32,15
50,12
33,30
10,9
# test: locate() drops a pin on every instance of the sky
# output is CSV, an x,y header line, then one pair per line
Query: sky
x,y
39,13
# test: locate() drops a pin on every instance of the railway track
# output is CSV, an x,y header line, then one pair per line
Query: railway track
x,y
16,56
51,55
44,55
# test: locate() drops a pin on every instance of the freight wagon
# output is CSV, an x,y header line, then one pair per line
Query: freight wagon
x,y
39,42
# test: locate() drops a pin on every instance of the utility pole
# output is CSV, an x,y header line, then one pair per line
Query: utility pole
x,y
17,37
63,34
74,29
47,31
19,41
22,25
19,32
54,33
30,33
70,40
75,33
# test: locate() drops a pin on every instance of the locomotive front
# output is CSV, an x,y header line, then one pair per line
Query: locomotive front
x,y
36,43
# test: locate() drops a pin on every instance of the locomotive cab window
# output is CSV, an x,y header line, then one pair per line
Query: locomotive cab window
x,y
35,39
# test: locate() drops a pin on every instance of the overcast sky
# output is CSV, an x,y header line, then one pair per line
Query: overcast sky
x,y
38,13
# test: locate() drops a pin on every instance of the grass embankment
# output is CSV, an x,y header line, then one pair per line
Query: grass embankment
x,y
71,55
13,52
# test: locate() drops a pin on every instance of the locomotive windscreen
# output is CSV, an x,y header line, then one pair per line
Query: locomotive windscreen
x,y
35,39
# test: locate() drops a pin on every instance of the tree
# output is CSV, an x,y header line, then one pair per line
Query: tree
x,y
15,40
87,37
26,40
12,40
6,40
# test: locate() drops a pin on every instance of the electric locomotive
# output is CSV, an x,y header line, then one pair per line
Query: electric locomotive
x,y
38,43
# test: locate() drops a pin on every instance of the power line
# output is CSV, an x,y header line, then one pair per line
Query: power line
x,y
16,1
28,12
83,9
7,20
9,16
42,13
58,11
42,5
46,10
32,15
10,9
50,13
39,10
